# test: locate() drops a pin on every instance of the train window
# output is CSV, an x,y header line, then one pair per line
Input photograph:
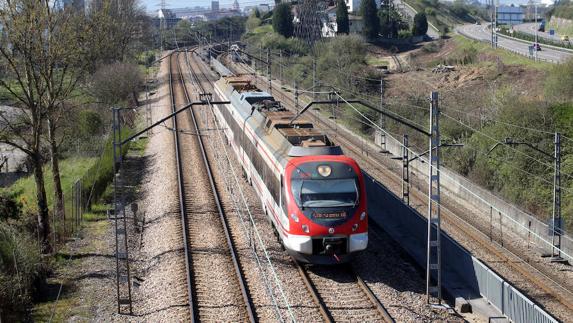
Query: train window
x,y
325,192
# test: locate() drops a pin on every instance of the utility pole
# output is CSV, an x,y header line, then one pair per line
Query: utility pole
x,y
556,234
281,65
556,220
261,54
380,136
434,253
296,96
269,78
405,171
536,31
493,24
313,77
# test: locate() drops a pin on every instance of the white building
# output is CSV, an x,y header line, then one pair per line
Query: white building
x,y
354,5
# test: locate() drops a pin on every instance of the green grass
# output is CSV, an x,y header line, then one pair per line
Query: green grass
x,y
70,170
561,29
375,61
507,58
262,29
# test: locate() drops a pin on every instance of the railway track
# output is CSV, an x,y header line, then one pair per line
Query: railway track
x,y
556,295
216,284
342,295
339,293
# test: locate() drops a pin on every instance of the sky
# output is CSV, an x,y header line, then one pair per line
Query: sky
x,y
153,5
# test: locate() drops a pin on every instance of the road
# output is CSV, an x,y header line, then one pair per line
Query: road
x,y
483,33
531,27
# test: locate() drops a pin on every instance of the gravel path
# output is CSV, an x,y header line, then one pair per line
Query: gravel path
x,y
162,295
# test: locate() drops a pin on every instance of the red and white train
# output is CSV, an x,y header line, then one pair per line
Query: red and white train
x,y
312,193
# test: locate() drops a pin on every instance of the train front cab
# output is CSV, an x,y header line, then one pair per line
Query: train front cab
x,y
324,198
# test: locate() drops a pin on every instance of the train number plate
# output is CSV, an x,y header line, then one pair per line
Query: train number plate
x,y
331,215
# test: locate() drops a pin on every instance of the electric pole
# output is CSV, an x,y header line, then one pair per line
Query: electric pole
x,y
433,251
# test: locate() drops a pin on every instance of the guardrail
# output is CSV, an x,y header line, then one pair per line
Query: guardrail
x,y
461,32
562,49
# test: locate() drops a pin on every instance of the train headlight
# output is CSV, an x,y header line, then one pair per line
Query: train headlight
x,y
305,228
354,227
324,170
362,216
294,217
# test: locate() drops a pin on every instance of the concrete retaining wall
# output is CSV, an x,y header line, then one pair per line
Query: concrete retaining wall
x,y
459,188
462,274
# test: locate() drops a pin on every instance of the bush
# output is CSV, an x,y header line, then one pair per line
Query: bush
x,y
115,83
252,23
9,208
559,82
20,268
89,124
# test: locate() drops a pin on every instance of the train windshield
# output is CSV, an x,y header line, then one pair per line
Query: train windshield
x,y
326,193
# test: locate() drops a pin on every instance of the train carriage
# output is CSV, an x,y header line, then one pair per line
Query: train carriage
x,y
313,194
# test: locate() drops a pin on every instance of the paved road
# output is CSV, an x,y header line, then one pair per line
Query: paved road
x,y
482,33
531,27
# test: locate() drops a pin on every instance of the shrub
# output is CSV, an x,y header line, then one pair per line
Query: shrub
x,y
9,208
20,268
89,124
252,23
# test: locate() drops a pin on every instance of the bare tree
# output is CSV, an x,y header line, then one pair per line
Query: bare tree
x,y
121,26
41,59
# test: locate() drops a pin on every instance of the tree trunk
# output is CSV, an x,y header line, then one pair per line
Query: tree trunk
x,y
59,209
43,216
135,100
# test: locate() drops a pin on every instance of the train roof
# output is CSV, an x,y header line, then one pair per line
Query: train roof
x,y
275,124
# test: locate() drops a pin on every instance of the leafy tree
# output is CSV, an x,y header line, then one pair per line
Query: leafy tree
x,y
420,27
257,13
282,20
252,23
342,22
370,18
391,22
340,58
183,31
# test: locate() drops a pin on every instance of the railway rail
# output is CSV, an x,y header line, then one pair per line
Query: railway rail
x,y
556,297
213,292
357,302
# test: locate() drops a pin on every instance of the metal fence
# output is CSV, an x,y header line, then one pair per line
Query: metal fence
x,y
508,300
